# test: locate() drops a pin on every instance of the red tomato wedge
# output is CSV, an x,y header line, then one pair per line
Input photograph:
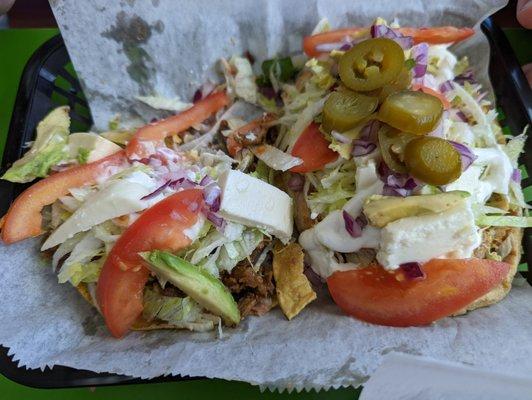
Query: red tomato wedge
x,y
23,219
311,43
233,146
258,127
436,35
123,277
374,295
446,104
142,144
313,149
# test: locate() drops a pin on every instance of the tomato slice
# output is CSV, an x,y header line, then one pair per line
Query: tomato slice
x,y
23,219
146,138
435,35
374,295
311,43
446,104
438,35
313,149
233,147
123,276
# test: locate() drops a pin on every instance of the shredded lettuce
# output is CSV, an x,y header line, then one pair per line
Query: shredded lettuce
x,y
275,158
79,266
504,220
182,312
234,252
333,187
262,171
461,66
344,149
240,78
76,273
514,148
83,155
216,251
48,149
321,73
302,120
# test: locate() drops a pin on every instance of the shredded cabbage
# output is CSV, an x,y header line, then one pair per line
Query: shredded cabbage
x,y
514,148
302,120
275,158
182,312
217,251
321,73
79,267
242,82
333,187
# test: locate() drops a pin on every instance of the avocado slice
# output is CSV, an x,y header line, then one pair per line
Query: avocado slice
x,y
199,284
381,210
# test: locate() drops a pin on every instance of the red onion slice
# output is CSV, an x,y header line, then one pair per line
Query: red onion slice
x,y
413,271
156,191
370,131
516,175
216,220
388,190
362,148
420,54
353,225
465,153
212,197
377,31
466,76
446,86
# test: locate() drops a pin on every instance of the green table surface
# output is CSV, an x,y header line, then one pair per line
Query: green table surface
x,y
16,46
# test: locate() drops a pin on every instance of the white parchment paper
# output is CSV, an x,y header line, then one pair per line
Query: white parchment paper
x,y
170,48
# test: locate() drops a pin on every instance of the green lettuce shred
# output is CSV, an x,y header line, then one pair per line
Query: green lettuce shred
x,y
77,272
333,188
182,312
504,220
83,155
48,149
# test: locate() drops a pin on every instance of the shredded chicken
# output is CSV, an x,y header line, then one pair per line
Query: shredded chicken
x,y
253,291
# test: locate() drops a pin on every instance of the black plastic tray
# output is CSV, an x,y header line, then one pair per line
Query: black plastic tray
x,y
46,78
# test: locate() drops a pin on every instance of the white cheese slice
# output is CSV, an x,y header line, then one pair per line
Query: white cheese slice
x,y
97,146
253,202
451,233
118,198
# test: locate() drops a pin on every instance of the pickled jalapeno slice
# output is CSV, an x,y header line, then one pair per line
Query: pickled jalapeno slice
x,y
344,109
392,144
408,111
371,64
432,160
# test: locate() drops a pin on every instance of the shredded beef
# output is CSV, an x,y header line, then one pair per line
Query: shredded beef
x,y
253,291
